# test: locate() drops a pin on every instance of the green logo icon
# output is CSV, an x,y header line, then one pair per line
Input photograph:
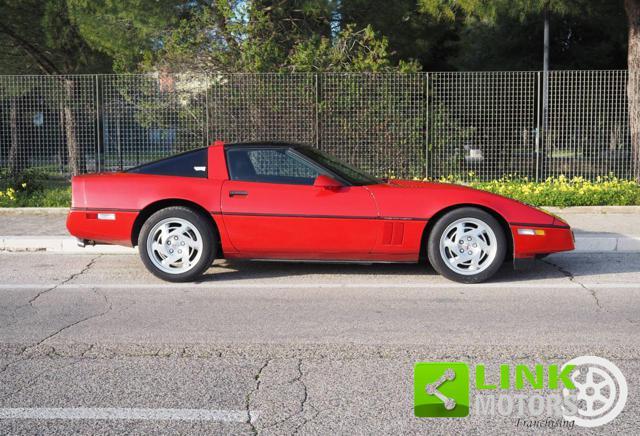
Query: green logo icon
x,y
441,390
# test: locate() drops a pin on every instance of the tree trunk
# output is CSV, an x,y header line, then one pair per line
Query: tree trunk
x,y
632,8
76,157
16,162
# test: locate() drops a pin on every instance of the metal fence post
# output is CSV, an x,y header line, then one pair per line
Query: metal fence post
x,y
97,109
317,110
545,113
538,127
427,124
209,82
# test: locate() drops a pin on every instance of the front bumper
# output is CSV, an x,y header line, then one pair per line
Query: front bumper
x,y
531,240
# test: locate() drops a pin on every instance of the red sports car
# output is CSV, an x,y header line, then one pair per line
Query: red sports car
x,y
293,202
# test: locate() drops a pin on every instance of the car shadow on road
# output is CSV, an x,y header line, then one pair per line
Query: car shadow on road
x,y
607,267
557,266
250,270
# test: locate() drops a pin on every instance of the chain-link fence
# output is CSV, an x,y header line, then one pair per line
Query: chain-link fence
x,y
467,125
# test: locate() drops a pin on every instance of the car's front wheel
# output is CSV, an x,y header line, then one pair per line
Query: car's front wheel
x,y
467,245
177,244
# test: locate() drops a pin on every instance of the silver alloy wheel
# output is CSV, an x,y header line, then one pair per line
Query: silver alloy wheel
x,y
468,246
174,245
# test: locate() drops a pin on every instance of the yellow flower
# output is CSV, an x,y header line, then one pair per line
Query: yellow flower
x,y
24,185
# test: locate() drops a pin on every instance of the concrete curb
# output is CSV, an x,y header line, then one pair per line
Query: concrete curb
x,y
13,211
68,245
597,244
57,244
593,210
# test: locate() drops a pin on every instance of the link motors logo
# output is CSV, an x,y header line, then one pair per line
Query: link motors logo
x,y
587,391
601,391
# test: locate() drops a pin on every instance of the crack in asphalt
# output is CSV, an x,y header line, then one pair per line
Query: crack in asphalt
x,y
84,353
255,390
305,398
6,367
80,321
573,279
86,268
53,288
302,409
101,350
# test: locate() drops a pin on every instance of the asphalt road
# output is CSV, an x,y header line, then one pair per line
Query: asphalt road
x,y
95,344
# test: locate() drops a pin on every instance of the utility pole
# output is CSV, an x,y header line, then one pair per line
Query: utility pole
x,y
545,83
545,60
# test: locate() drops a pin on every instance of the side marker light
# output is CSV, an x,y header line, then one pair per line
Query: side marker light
x,y
531,232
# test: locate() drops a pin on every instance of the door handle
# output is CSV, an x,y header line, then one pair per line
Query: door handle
x,y
238,193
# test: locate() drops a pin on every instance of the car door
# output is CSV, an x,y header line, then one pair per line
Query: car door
x,y
271,209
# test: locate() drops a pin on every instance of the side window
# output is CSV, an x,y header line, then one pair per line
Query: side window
x,y
270,165
189,164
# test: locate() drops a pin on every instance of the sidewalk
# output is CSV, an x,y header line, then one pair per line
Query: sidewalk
x,y
597,229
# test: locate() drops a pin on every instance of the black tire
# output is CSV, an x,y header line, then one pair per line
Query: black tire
x,y
209,243
441,264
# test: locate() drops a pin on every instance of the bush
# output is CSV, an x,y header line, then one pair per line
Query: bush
x,y
33,188
57,196
563,192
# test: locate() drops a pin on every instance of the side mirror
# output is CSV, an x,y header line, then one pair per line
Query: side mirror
x,y
326,182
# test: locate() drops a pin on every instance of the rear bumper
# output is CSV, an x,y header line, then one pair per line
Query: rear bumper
x,y
530,240
102,226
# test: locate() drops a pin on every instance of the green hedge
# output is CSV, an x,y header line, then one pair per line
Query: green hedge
x,y
563,192
559,191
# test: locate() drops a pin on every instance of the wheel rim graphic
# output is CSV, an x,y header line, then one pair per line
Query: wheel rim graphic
x,y
468,246
601,391
174,245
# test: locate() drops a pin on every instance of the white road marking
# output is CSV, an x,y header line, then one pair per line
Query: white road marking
x,y
374,285
239,416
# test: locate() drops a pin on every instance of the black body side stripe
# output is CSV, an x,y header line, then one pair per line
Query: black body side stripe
x,y
547,226
102,209
350,217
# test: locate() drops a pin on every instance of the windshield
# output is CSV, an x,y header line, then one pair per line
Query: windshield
x,y
352,175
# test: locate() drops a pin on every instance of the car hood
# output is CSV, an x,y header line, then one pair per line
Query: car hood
x,y
412,198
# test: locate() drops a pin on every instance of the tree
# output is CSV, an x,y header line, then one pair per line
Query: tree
x,y
632,8
411,34
128,31
487,11
38,36
595,38
224,35
267,36
235,35
350,50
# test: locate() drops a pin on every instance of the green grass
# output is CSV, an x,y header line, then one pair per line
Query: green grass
x,y
559,191
52,196
34,188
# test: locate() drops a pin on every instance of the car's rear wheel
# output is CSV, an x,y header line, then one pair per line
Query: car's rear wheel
x,y
467,245
177,244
